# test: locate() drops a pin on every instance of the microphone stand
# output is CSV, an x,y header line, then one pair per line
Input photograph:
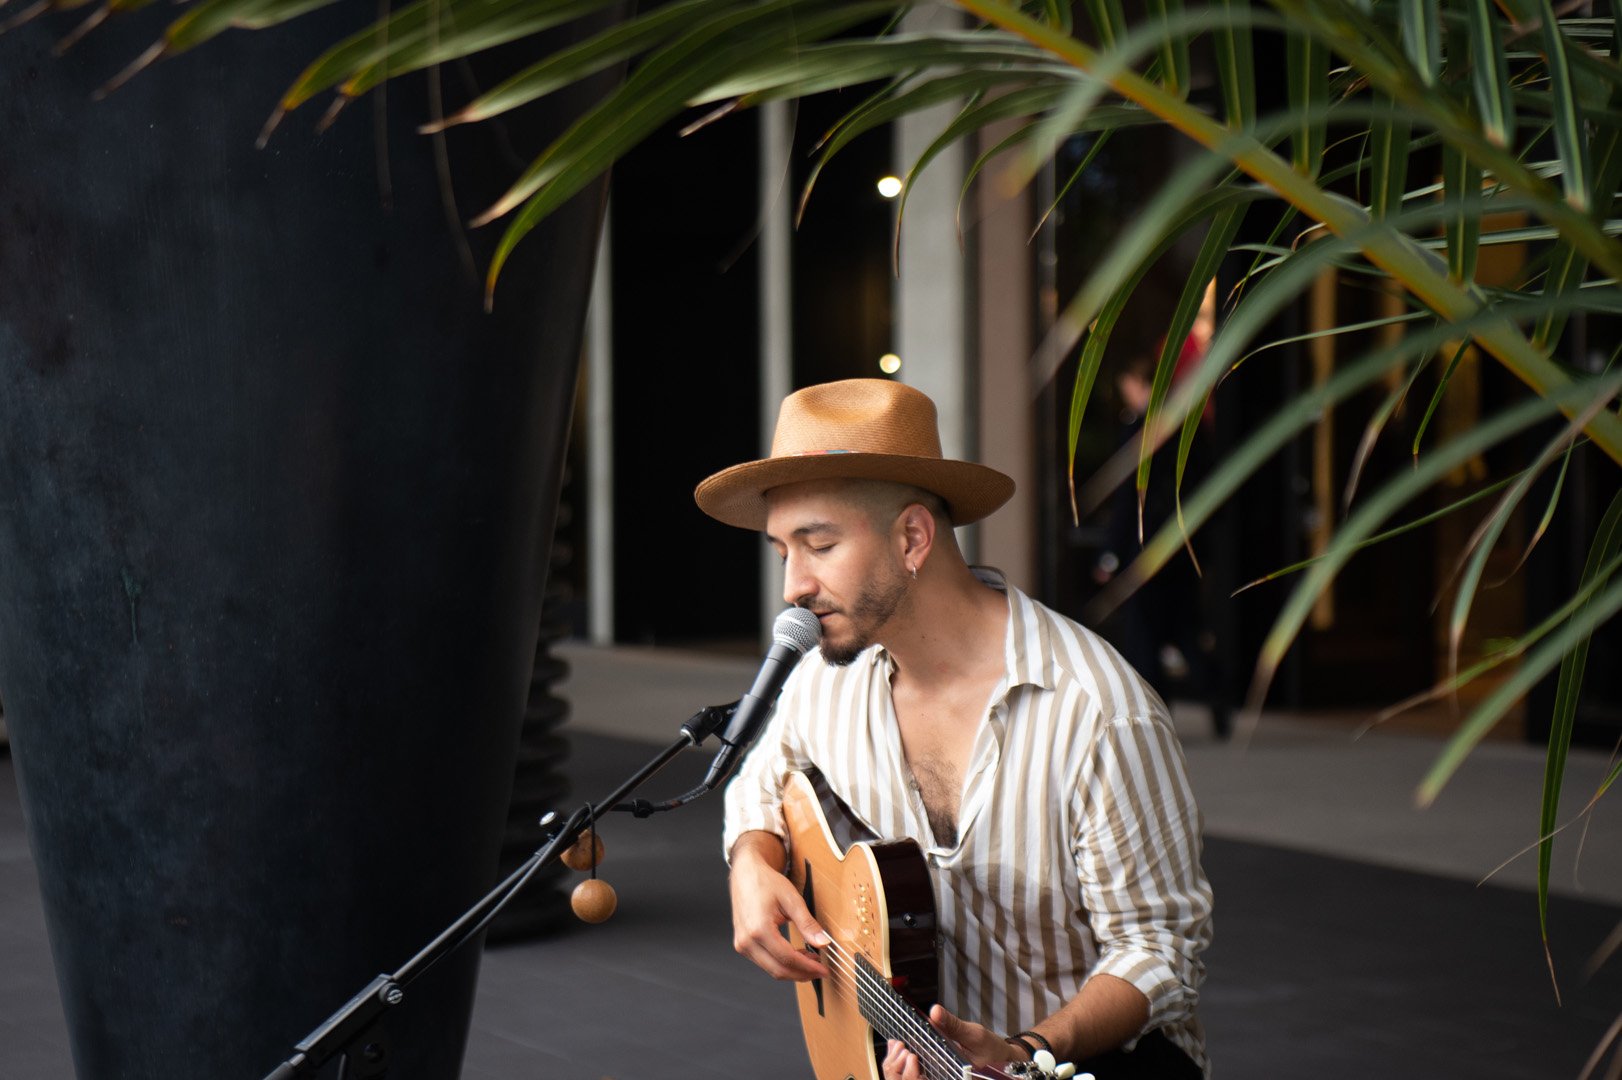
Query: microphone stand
x,y
358,1034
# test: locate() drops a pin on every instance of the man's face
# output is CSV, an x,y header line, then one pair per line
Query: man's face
x,y
837,564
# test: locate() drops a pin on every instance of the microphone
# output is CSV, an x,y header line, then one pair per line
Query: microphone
x,y
795,633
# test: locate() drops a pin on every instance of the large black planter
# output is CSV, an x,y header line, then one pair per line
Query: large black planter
x,y
275,497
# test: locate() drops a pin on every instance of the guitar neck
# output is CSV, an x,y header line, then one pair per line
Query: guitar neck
x,y
894,1017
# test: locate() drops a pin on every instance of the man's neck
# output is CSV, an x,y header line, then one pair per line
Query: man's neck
x,y
953,630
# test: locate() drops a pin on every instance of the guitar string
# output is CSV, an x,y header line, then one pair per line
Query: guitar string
x,y
904,1014
937,1059
900,1015
900,1018
888,1009
945,1065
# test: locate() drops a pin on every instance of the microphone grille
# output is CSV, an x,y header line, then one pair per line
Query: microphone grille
x,y
798,629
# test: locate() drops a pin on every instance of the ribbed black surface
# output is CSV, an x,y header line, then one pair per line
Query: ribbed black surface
x,y
540,784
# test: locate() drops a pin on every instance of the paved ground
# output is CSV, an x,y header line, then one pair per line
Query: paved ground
x,y
1306,784
1351,937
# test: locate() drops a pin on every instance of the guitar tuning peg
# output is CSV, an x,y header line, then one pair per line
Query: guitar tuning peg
x,y
1066,1070
1044,1060
593,900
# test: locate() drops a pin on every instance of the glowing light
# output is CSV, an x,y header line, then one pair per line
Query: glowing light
x,y
889,363
890,186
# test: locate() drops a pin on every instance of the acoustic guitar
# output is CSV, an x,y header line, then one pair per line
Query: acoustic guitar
x,y
877,905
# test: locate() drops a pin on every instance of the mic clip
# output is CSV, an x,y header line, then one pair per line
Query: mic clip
x,y
707,721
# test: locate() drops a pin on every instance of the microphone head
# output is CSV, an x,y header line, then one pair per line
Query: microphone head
x,y
797,628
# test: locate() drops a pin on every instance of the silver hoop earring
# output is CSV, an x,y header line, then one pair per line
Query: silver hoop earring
x,y
914,570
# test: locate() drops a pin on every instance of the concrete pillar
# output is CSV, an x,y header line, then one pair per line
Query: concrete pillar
x,y
600,444
776,310
932,291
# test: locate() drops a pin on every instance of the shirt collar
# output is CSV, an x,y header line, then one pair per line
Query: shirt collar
x,y
1027,645
1027,651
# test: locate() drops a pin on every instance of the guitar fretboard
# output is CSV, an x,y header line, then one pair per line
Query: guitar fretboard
x,y
894,1017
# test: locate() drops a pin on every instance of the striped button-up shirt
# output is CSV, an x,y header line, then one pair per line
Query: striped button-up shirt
x,y
1078,841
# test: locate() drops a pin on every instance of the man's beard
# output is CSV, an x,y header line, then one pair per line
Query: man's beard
x,y
875,605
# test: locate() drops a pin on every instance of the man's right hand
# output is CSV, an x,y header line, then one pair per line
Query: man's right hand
x,y
763,901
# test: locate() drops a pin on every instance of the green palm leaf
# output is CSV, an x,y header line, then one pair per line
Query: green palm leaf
x,y
1222,203
1284,425
1380,538
657,91
1214,248
1185,199
1359,43
1393,253
567,66
1308,77
213,17
1174,63
1601,565
1381,504
1574,633
1568,117
1376,425
1567,266
1489,74
1422,37
1390,136
455,24
1236,66
1460,348
1479,548
1461,185
1109,23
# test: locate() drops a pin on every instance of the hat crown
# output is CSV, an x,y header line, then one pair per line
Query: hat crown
x,y
862,416
858,429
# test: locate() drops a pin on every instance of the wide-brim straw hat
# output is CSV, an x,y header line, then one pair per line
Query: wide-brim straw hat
x,y
858,429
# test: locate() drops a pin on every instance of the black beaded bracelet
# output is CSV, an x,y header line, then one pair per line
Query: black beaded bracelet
x,y
1030,1051
1026,1036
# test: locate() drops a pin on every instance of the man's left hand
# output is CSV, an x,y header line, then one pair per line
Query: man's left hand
x,y
980,1045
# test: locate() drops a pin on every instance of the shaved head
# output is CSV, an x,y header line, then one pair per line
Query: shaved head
x,y
882,500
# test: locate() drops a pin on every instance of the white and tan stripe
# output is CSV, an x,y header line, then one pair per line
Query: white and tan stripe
x,y
1078,848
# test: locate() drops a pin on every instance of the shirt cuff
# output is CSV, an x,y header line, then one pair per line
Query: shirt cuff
x,y
750,818
1155,979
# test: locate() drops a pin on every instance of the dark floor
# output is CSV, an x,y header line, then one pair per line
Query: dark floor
x,y
1321,968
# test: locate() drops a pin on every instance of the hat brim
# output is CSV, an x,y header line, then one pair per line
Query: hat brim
x,y
737,496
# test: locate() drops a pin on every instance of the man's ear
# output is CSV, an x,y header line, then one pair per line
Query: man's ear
x,y
915,532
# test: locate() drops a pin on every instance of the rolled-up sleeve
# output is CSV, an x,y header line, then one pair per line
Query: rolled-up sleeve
x,y
1138,855
754,797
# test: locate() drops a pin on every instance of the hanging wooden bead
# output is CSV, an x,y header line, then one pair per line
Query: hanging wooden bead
x,y
593,900
585,853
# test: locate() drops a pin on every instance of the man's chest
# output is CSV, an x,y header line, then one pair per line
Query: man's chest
x,y
941,736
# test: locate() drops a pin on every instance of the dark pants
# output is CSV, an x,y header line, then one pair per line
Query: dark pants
x,y
1154,1058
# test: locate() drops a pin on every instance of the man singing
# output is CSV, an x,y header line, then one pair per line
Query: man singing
x,y
1039,774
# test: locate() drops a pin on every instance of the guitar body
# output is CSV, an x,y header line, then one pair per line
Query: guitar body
x,y
876,903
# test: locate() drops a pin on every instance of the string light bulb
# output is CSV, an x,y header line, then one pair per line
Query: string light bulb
x,y
889,363
890,186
